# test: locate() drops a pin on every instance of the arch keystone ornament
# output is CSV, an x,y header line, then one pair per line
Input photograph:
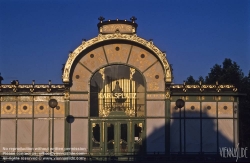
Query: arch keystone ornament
x,y
117,36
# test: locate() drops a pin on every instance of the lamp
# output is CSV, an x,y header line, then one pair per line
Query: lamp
x,y
53,103
179,104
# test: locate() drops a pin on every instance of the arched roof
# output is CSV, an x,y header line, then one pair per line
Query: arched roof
x,y
117,36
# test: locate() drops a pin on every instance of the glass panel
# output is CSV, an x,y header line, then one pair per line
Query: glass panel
x,y
110,138
95,137
117,90
124,138
138,137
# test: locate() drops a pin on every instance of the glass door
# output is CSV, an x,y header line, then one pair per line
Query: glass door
x,y
123,138
114,137
110,138
96,137
117,137
138,136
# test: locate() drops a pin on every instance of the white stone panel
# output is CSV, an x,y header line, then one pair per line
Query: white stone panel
x,y
155,96
79,97
24,135
8,109
225,129
58,134
141,59
236,133
192,129
41,109
192,109
155,108
8,135
174,111
175,135
24,109
117,56
79,135
209,109
225,109
155,135
209,135
155,78
93,60
80,78
59,111
79,108
41,135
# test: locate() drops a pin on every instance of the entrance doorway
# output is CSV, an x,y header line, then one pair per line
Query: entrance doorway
x,y
115,137
117,111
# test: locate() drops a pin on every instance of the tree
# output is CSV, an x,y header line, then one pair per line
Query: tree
x,y
191,80
230,73
244,112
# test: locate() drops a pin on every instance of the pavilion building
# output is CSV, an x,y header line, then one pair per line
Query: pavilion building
x,y
117,97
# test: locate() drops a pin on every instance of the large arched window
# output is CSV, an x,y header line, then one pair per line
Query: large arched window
x,y
117,90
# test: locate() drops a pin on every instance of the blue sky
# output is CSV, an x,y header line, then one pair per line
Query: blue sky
x,y
37,35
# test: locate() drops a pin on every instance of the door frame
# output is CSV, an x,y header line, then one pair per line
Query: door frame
x,y
131,123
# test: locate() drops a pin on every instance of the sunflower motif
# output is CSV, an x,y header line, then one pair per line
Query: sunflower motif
x,y
24,109
59,109
8,109
41,108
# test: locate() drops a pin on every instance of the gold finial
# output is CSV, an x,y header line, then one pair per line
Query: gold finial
x,y
49,89
33,86
101,19
133,19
